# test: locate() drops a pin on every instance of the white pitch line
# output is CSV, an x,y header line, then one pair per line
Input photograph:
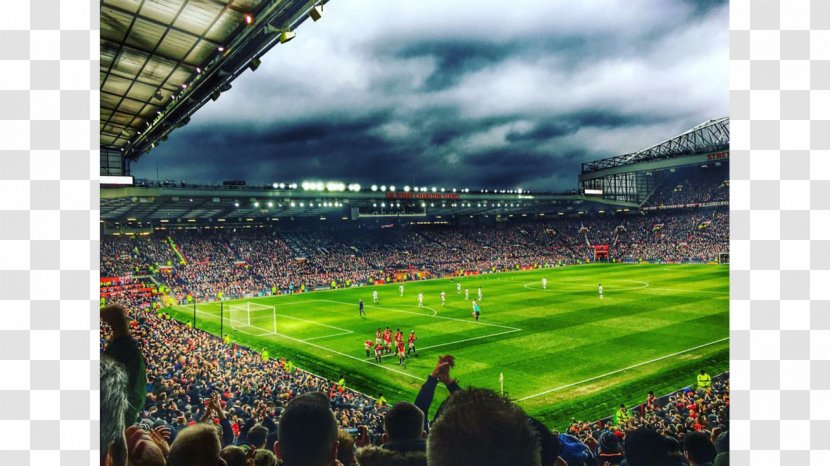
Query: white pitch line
x,y
433,316
471,339
315,323
621,370
328,336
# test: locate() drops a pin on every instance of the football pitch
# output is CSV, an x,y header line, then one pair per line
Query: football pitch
x,y
563,352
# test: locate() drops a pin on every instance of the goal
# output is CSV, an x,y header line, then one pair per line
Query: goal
x,y
253,318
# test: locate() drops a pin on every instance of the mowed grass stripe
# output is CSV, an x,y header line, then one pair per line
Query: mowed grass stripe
x,y
566,335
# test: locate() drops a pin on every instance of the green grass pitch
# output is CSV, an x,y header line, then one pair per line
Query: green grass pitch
x,y
563,351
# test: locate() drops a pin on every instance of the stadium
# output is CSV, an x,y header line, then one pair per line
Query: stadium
x,y
594,310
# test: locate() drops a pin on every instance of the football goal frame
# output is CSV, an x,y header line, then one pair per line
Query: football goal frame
x,y
252,318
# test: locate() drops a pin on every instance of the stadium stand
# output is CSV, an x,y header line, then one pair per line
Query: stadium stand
x,y
249,262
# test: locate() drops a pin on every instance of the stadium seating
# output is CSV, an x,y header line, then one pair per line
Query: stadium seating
x,y
248,262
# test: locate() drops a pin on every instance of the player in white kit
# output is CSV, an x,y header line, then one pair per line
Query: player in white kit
x,y
479,293
420,300
600,291
544,283
458,288
443,298
375,296
466,294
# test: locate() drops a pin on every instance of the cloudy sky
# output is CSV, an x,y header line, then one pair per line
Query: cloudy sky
x,y
461,93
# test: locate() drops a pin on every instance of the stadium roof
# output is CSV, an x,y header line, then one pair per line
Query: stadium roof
x,y
176,203
709,136
161,60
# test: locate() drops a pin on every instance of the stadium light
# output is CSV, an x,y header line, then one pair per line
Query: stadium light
x,y
442,190
434,189
316,13
406,189
236,204
249,19
256,204
383,187
335,186
374,187
293,205
302,204
392,188
275,185
270,204
453,189
287,36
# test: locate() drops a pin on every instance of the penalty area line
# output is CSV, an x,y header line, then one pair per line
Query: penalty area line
x,y
620,370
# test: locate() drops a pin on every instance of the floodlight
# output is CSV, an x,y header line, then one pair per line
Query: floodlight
x,y
406,189
236,204
392,188
374,187
249,19
254,64
434,189
286,36
316,12
270,204
256,204
383,187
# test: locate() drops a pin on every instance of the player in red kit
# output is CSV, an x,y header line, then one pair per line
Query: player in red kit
x,y
378,353
378,336
387,340
368,345
398,336
412,339
401,355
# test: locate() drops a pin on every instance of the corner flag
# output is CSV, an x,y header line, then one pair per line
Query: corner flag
x,y
501,382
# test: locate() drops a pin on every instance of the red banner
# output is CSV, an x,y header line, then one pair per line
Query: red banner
x,y
426,196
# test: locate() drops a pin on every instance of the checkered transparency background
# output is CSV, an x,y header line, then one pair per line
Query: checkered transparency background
x,y
48,232
780,315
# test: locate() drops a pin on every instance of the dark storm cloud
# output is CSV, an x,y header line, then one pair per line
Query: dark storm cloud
x,y
503,95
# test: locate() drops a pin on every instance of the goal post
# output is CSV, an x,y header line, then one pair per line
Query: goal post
x,y
253,318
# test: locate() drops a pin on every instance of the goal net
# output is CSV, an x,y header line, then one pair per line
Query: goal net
x,y
253,319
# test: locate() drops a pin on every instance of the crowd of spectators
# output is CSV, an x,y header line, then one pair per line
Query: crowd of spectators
x,y
172,395
692,185
252,261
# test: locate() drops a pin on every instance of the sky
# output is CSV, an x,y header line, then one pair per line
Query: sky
x,y
461,93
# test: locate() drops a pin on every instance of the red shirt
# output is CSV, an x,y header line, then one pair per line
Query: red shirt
x,y
369,344
400,346
378,348
412,338
387,338
398,336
